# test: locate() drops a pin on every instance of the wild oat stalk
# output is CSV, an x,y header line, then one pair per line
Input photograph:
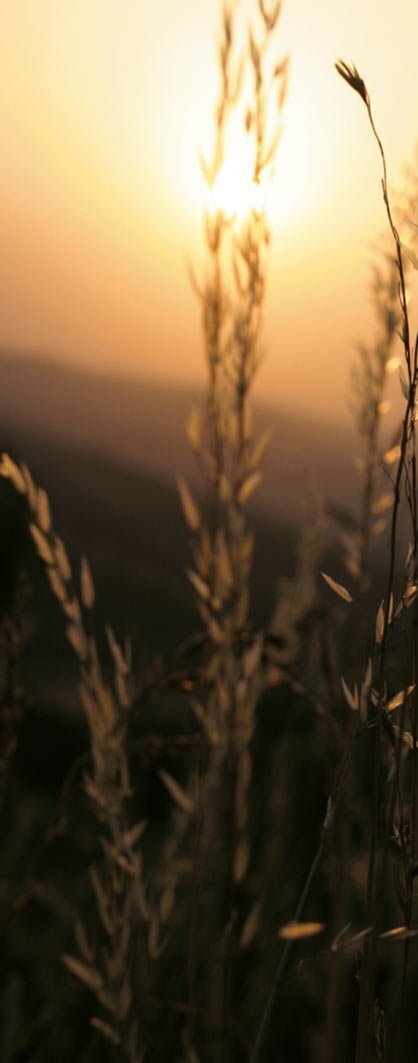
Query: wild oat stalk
x,y
376,361
371,698
111,971
390,613
231,300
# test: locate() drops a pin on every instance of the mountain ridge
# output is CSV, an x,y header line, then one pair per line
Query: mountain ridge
x,y
140,424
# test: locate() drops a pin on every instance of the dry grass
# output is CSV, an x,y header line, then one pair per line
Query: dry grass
x,y
291,800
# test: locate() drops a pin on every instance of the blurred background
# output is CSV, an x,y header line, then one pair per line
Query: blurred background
x,y
103,109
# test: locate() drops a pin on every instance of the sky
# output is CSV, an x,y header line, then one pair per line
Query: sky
x,y
103,107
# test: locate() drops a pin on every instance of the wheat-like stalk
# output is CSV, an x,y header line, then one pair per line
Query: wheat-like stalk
x,y
404,484
120,891
231,300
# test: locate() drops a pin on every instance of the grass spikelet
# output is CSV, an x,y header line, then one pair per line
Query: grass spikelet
x,y
87,585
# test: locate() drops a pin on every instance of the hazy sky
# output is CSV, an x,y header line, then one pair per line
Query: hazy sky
x,y
103,104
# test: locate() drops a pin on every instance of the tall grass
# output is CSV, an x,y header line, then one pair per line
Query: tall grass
x,y
231,299
290,813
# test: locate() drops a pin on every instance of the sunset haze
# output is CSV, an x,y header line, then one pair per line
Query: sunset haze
x,y
103,109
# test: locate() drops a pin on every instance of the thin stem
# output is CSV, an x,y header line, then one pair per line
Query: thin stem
x,y
259,1051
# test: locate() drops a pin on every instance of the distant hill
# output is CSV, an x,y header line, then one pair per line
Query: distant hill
x,y
129,525
107,451
140,425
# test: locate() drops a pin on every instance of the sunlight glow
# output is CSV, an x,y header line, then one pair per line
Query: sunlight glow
x,y
234,192
102,193
284,195
304,166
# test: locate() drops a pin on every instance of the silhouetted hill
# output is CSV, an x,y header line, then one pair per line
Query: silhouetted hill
x,y
130,526
140,425
107,452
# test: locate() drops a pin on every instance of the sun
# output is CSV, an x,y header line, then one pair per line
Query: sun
x,y
235,192
284,195
305,162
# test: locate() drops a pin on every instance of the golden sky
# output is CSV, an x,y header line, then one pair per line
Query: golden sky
x,y
103,104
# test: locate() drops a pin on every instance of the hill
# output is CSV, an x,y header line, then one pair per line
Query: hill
x,y
139,424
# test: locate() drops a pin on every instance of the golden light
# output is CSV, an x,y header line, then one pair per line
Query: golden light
x,y
304,167
234,191
283,195
102,190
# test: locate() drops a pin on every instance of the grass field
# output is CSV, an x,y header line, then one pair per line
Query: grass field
x,y
208,695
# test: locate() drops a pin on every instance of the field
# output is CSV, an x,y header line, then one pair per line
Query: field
x,y
208,655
